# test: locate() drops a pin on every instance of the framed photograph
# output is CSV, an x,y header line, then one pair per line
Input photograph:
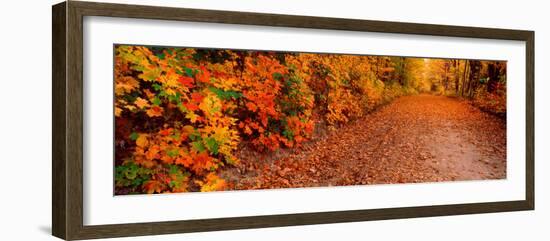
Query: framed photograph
x,y
171,120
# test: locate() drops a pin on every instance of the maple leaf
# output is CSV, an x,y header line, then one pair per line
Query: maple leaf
x,y
185,161
211,104
125,84
118,111
152,152
202,161
142,141
188,129
251,106
148,93
165,132
192,116
197,97
203,75
212,183
191,106
170,91
186,81
141,103
153,186
154,111
130,107
150,73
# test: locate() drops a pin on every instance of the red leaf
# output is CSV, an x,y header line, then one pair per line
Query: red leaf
x,y
165,132
197,97
203,76
186,81
191,106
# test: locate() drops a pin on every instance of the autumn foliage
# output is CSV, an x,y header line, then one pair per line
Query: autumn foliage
x,y
182,114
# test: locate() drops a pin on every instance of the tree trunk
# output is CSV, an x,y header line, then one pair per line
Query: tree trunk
x,y
493,72
464,83
457,75
447,68
475,68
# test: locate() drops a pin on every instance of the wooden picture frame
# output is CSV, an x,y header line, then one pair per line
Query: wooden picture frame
x,y
67,124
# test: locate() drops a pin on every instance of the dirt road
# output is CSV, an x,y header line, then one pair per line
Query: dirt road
x,y
422,138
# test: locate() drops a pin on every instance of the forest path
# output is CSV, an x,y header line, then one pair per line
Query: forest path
x,y
421,138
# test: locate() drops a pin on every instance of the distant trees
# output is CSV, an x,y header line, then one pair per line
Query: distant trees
x,y
482,81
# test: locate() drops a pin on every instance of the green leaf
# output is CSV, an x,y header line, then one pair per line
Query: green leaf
x,y
150,74
137,182
174,169
176,136
175,98
156,101
134,136
172,153
131,172
157,87
277,76
225,95
189,72
212,145
288,134
198,146
195,136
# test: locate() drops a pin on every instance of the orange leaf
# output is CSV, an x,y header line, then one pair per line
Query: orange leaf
x,y
118,111
202,161
141,103
153,186
251,106
186,161
191,106
155,111
142,141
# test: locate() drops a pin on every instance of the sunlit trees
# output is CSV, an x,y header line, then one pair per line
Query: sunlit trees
x,y
483,82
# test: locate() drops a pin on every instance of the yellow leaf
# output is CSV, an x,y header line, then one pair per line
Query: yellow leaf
x,y
211,104
142,141
170,79
191,116
150,73
125,84
130,107
170,91
213,183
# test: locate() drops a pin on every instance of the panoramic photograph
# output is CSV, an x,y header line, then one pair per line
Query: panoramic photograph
x,y
201,119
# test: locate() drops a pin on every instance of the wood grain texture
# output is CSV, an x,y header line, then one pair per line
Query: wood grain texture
x,y
74,114
59,193
67,137
263,19
530,120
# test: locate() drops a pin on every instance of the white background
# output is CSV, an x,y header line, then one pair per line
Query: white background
x,y
100,207
26,121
